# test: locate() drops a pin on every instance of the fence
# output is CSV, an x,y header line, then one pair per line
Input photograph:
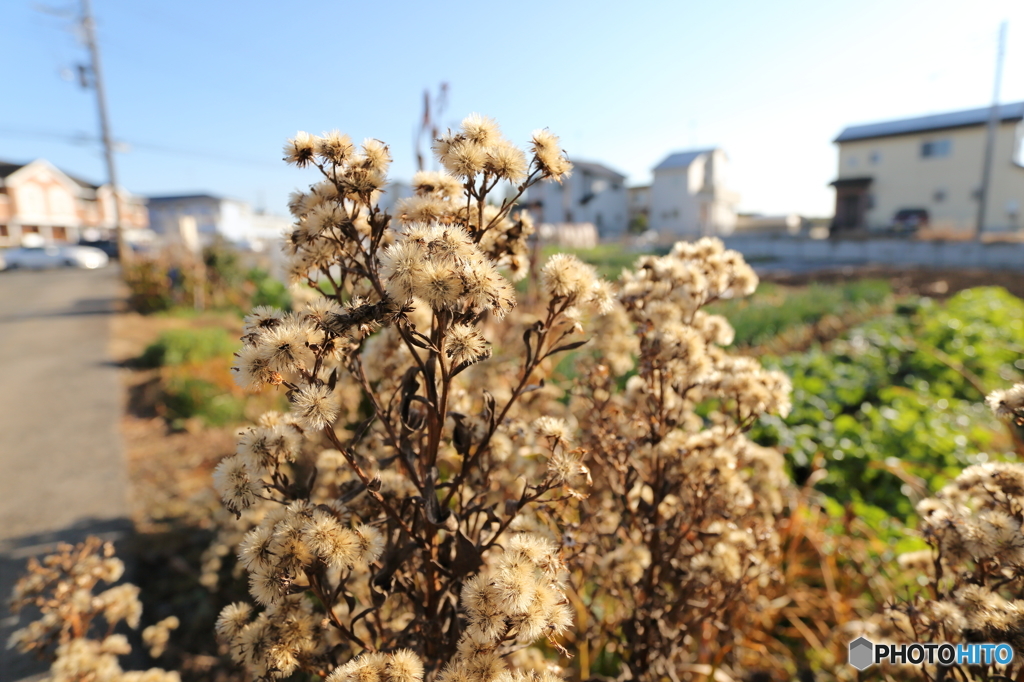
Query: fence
x,y
881,251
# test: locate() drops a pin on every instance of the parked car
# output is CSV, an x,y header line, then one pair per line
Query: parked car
x,y
909,220
38,257
107,246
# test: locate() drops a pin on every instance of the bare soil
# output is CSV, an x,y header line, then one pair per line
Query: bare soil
x,y
935,282
172,502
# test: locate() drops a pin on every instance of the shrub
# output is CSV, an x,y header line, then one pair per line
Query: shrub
x,y
164,283
186,397
149,286
973,569
775,310
893,405
179,346
268,291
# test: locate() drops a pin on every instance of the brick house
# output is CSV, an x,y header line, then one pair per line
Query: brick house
x,y
39,198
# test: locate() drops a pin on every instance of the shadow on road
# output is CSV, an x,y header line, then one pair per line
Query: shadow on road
x,y
84,306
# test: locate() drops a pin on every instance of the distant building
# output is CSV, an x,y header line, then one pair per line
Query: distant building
x,y
639,205
593,194
928,170
689,197
394,191
229,219
39,198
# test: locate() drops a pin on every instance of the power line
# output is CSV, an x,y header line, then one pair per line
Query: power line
x,y
84,138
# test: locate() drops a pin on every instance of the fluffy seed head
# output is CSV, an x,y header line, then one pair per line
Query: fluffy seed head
x,y
480,129
334,147
300,149
315,406
566,276
232,619
464,343
438,284
237,488
547,151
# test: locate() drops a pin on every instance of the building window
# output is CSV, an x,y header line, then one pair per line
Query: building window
x,y
936,148
939,196
1018,145
4,231
875,158
60,234
29,229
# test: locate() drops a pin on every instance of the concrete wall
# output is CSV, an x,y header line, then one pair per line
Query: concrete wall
x,y
828,252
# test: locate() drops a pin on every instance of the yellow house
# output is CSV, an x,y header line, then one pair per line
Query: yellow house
x,y
927,172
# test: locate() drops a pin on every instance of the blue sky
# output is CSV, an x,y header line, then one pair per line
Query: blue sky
x,y
205,93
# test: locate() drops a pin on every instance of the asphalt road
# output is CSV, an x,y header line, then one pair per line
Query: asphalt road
x,y
62,466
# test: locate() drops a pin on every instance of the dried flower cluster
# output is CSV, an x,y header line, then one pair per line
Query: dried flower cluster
x,y
1008,404
680,530
389,492
519,601
974,568
75,629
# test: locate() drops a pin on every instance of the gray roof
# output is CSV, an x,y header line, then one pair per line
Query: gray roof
x,y
597,169
7,168
80,181
921,124
682,159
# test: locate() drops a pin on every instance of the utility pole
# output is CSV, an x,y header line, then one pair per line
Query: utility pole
x,y
990,137
89,31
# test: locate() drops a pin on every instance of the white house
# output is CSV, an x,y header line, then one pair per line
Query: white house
x,y
394,191
689,197
230,219
593,193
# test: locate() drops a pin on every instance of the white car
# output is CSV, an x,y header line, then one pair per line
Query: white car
x,y
38,257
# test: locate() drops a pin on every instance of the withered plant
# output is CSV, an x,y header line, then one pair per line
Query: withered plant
x,y
679,534
421,513
389,502
973,572
75,628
